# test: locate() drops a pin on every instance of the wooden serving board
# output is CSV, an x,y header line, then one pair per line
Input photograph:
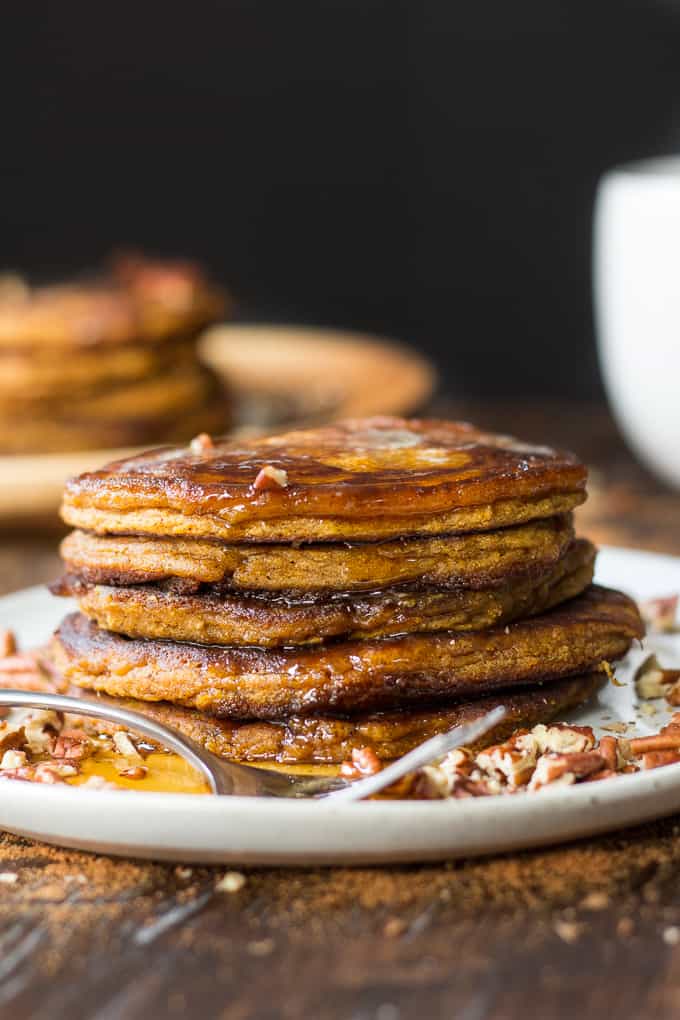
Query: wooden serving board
x,y
277,375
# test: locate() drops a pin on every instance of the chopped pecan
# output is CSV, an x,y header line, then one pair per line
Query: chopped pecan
x,y
46,773
431,783
623,749
41,728
13,759
513,763
652,680
24,772
365,762
12,739
201,443
459,761
71,745
270,477
467,786
134,772
655,759
125,745
566,767
609,750
231,882
602,774
563,738
657,742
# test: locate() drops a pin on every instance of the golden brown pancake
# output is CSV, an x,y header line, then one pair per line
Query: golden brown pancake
x,y
29,436
330,740
119,418
210,617
476,560
359,480
350,676
108,362
36,377
141,301
166,393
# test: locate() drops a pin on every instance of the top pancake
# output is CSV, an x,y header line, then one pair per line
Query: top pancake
x,y
363,479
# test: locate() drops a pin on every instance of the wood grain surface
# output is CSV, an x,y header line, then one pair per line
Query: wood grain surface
x,y
590,930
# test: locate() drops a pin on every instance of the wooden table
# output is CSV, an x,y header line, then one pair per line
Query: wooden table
x,y
590,930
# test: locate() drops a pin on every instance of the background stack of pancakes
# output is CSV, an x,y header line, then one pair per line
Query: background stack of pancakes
x,y
108,362
296,597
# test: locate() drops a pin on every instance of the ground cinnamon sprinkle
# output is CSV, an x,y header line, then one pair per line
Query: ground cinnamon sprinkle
x,y
108,902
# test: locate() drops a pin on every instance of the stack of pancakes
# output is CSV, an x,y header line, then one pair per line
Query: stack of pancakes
x,y
296,597
108,362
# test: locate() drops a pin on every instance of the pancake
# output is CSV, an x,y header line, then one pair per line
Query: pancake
x,y
166,393
355,481
141,301
34,377
477,560
30,432
328,740
145,611
350,676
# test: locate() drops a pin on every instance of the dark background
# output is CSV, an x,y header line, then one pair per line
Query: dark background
x,y
422,169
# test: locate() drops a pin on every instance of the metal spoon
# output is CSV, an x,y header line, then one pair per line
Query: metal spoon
x,y
229,779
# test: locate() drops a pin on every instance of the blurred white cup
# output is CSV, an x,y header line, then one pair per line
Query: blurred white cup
x,y
636,267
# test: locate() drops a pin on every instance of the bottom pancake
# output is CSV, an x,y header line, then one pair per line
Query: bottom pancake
x,y
350,676
328,740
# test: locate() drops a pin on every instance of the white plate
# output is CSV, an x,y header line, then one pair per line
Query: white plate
x,y
247,831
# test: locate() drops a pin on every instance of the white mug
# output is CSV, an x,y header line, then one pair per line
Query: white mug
x,y
636,268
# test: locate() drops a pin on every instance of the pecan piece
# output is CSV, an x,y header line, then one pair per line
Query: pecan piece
x,y
13,739
464,787
134,772
13,759
515,764
562,738
653,681
655,759
270,477
365,762
46,773
72,745
657,742
201,443
24,772
565,767
125,745
609,750
602,774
